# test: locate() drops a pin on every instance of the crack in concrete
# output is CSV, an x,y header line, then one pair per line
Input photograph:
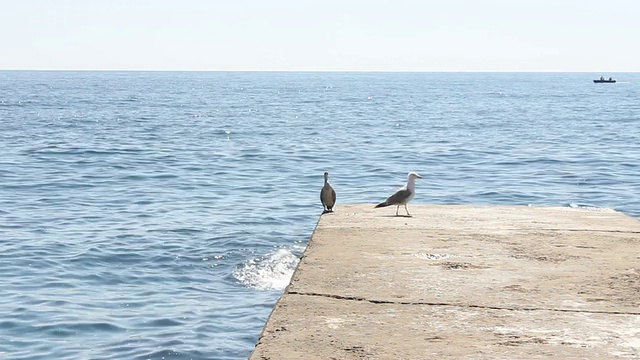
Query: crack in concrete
x,y
593,230
428,303
475,230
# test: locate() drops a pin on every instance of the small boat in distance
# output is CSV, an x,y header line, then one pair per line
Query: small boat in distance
x,y
603,80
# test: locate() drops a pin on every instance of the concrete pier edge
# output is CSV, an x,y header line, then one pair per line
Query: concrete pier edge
x,y
462,281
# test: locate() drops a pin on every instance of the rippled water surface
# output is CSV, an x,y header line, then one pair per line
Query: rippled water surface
x,y
159,215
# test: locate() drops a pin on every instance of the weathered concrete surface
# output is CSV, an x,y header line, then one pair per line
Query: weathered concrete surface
x,y
462,282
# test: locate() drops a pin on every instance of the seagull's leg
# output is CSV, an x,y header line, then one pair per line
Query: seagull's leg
x,y
397,208
407,210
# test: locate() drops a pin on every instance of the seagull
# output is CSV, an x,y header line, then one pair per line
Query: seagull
x,y
403,195
327,195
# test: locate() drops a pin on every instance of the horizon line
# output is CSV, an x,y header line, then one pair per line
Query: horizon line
x,y
326,71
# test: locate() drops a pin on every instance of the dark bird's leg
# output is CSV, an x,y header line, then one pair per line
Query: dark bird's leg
x,y
397,208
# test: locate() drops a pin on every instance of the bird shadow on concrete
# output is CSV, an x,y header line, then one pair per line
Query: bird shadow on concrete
x,y
398,216
327,212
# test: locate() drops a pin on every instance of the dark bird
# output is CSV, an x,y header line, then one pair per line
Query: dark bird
x,y
403,195
327,195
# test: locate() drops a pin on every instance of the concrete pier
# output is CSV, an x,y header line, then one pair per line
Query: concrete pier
x,y
462,282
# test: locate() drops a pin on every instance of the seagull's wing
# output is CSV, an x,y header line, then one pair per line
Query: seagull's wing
x,y
400,197
333,197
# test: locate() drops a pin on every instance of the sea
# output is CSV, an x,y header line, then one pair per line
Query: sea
x,y
160,215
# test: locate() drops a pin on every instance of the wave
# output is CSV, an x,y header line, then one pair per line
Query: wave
x,y
270,272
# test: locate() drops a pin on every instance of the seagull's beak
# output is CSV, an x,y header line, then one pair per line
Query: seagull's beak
x,y
418,176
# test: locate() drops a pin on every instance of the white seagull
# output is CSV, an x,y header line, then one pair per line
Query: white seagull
x,y
327,195
403,195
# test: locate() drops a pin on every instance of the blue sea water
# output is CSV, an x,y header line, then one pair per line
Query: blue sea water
x,y
159,215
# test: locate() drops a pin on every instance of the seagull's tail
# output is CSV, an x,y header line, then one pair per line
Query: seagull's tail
x,y
382,204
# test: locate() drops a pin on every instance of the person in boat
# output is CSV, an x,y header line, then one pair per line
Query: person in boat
x,y
601,78
610,79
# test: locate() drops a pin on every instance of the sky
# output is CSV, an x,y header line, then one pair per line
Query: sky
x,y
328,35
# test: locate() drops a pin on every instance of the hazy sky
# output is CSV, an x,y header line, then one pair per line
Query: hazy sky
x,y
394,35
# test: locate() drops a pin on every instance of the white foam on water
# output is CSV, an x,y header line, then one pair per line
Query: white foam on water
x,y
591,208
270,272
